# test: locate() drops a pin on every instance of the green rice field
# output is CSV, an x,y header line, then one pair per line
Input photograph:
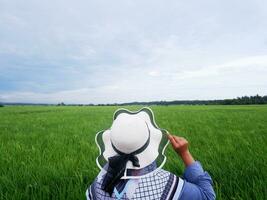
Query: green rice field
x,y
49,152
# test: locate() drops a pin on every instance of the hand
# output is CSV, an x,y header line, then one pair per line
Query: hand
x,y
180,145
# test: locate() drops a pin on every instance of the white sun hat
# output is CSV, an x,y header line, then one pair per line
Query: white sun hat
x,y
133,132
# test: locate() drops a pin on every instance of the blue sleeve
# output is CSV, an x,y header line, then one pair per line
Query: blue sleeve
x,y
197,184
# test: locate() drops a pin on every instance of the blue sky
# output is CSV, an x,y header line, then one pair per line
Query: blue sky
x,y
122,51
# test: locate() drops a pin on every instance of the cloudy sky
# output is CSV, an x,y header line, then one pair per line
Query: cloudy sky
x,y
131,50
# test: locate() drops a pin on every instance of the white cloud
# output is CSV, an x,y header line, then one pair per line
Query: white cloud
x,y
100,52
154,73
245,76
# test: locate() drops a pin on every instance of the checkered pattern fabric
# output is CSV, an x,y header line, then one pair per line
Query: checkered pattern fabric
x,y
159,185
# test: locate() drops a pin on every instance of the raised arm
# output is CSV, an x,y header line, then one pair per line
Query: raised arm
x,y
180,145
198,183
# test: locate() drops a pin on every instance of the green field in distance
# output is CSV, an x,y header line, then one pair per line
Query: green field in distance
x,y
49,152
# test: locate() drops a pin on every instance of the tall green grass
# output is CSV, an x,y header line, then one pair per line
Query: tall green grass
x,y
48,152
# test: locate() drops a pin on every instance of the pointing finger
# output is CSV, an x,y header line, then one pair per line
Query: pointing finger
x,y
171,138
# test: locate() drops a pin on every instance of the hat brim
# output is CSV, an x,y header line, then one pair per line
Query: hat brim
x,y
154,151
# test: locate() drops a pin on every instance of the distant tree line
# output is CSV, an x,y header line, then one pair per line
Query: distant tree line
x,y
61,104
244,100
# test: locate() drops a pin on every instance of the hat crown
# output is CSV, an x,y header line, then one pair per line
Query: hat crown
x,y
128,133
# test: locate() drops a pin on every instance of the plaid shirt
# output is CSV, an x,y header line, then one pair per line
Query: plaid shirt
x,y
157,184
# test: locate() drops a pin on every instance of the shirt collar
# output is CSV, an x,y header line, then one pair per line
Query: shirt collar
x,y
133,172
142,171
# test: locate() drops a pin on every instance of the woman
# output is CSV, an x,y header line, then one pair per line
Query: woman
x,y
131,160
